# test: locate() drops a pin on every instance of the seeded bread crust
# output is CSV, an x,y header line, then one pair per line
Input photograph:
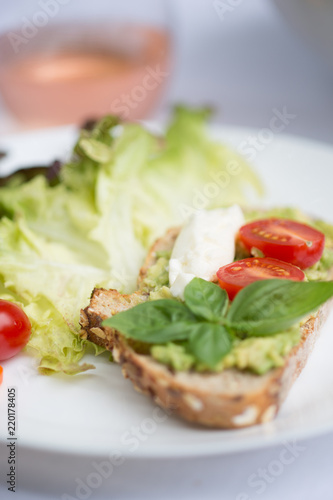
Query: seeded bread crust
x,y
230,399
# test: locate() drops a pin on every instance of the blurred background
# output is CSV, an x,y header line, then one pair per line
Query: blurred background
x,y
65,61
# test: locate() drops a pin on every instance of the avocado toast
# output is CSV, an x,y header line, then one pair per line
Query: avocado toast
x,y
247,388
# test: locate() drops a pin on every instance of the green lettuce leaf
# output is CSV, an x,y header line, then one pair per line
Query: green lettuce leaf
x,y
51,284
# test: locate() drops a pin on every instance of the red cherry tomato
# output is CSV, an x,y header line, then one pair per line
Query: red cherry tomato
x,y
241,273
286,240
1,375
15,329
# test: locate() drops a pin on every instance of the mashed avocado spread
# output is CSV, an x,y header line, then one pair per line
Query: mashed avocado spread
x,y
256,354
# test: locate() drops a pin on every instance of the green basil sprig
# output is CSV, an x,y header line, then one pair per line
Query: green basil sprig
x,y
209,326
198,320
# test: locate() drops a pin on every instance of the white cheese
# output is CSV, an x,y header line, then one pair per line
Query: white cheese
x,y
206,243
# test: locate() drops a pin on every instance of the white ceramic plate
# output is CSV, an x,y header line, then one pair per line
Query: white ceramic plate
x,y
99,412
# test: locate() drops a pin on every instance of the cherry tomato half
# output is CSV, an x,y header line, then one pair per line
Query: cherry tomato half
x,y
15,329
286,240
241,273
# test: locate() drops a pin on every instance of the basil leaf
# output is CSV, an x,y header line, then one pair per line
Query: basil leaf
x,y
270,306
157,321
209,342
206,300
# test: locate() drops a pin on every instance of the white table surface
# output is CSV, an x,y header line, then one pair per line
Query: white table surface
x,y
245,66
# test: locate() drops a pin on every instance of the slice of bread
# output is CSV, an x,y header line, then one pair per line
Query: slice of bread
x,y
229,399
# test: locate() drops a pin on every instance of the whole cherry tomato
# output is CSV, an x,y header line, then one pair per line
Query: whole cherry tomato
x,y
15,329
